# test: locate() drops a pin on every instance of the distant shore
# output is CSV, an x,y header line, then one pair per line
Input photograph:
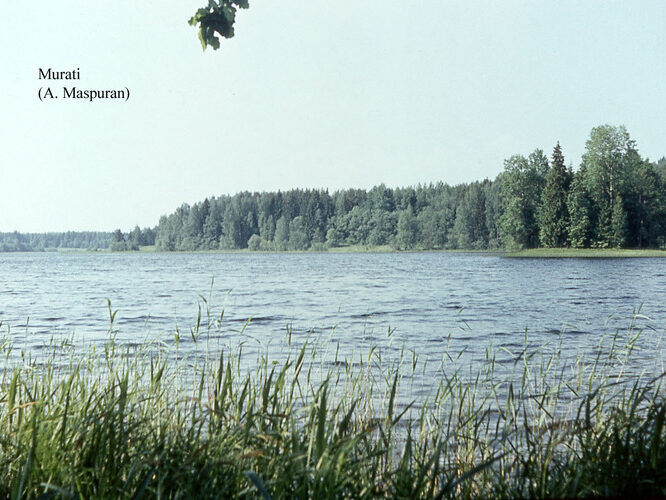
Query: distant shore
x,y
532,253
594,253
546,253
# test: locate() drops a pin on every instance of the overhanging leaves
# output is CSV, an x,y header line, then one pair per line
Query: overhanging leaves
x,y
216,19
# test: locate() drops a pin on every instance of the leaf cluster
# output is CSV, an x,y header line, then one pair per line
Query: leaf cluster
x,y
216,19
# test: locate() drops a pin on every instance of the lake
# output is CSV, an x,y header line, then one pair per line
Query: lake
x,y
428,305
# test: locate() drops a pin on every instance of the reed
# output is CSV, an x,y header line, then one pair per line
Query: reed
x,y
166,420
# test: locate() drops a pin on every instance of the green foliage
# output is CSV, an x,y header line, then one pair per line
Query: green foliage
x,y
609,154
357,224
408,229
212,227
383,226
587,253
118,243
579,206
155,422
282,233
527,205
267,226
232,235
493,203
381,198
434,228
255,243
522,184
554,216
39,242
137,238
645,205
618,223
217,18
298,239
660,168
334,237
469,229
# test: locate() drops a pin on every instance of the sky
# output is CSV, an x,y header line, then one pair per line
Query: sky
x,y
308,94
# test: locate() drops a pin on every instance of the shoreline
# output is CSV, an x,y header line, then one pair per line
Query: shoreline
x,y
532,253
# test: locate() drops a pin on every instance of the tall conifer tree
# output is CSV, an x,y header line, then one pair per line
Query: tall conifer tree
x,y
553,231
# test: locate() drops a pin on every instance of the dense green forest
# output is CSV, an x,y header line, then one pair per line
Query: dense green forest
x,y
37,242
615,199
133,240
82,240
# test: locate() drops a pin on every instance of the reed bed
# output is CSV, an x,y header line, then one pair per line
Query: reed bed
x,y
157,420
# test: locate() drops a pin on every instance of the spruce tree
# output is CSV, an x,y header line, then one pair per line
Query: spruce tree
x,y
554,220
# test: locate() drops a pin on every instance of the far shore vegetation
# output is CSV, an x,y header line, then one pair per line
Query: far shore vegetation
x,y
593,253
614,200
571,253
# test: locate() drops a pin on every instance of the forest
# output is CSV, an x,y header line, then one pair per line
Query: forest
x,y
614,199
40,242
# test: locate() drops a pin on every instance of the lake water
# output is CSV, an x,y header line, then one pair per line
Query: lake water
x,y
425,304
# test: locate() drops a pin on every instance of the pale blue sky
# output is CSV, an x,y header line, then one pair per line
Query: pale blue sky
x,y
310,94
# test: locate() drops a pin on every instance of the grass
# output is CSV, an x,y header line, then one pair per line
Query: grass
x,y
320,248
362,249
586,253
529,253
185,420
316,249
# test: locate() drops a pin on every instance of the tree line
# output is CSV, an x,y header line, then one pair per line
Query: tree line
x,y
615,199
36,242
82,240
133,240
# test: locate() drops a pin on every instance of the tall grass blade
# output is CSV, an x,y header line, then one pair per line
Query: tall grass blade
x,y
258,483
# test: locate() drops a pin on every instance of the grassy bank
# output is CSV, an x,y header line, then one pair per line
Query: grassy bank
x,y
323,249
597,253
154,421
318,248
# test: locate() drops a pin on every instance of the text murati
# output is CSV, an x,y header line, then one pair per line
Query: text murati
x,y
70,92
49,74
